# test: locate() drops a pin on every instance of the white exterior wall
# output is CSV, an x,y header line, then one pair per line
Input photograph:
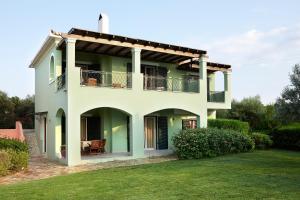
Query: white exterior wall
x,y
47,99
77,99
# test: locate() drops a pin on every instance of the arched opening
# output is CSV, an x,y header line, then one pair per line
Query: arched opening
x,y
160,126
52,69
215,87
219,81
60,134
104,131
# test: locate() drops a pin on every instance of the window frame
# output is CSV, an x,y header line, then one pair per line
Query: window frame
x,y
52,76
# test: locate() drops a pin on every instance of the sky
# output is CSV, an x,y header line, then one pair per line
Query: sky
x,y
260,39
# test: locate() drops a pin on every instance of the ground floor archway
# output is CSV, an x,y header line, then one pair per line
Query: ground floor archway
x,y
104,130
160,126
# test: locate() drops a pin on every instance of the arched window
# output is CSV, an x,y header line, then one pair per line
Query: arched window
x,y
52,69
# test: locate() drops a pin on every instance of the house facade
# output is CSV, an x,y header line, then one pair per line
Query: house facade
x,y
132,94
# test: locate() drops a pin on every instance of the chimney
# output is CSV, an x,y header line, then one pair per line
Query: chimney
x,y
103,23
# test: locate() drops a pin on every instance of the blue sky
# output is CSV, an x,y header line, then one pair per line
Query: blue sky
x,y
260,39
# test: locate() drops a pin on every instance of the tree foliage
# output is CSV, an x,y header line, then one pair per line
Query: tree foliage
x,y
288,105
253,111
16,109
6,111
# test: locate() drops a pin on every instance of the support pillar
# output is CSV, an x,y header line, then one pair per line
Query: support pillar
x,y
137,136
73,156
202,118
137,77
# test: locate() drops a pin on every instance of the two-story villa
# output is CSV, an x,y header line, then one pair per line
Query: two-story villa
x,y
130,94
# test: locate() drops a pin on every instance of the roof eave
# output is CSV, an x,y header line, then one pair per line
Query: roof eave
x,y
51,38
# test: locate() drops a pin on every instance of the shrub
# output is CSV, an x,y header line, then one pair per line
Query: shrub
x,y
4,162
19,160
13,144
262,141
11,160
287,137
232,124
210,142
13,155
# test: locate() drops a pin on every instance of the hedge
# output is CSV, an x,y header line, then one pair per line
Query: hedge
x,y
13,156
261,140
4,162
13,144
210,142
231,124
287,137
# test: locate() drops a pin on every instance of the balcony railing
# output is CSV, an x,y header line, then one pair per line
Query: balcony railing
x,y
60,82
186,84
106,79
216,96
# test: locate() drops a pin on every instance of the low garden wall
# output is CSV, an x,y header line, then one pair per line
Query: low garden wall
x,y
16,133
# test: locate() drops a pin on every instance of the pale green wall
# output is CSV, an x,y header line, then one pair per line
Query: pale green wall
x,y
76,99
114,129
47,99
119,131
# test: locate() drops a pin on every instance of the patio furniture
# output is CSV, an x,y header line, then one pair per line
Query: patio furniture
x,y
97,146
92,82
102,145
85,147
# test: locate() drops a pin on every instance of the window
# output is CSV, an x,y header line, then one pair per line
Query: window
x,y
189,124
51,70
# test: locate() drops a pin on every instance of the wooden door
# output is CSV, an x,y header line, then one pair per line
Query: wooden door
x,y
150,132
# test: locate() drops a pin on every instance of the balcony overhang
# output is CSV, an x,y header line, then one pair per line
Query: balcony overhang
x,y
114,45
193,65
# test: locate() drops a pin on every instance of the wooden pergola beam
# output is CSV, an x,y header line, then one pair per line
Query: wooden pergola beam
x,y
129,45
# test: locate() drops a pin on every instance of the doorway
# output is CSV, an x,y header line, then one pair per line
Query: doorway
x,y
45,134
150,133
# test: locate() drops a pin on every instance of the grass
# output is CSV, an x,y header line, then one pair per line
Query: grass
x,y
272,174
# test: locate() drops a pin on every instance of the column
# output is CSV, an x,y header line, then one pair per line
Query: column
x,y
72,116
137,136
227,80
227,88
137,77
202,118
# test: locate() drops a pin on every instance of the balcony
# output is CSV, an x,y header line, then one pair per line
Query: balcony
x,y
172,84
60,82
216,96
106,79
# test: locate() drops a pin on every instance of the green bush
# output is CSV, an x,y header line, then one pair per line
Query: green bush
x,y
4,162
13,155
210,142
231,124
287,137
262,141
13,144
19,160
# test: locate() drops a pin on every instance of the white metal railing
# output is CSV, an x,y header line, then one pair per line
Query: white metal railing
x,y
174,84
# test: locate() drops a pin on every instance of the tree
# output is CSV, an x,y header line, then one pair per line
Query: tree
x,y
24,110
7,117
288,105
16,109
251,110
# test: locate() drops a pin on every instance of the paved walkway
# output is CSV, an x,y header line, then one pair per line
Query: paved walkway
x,y
41,168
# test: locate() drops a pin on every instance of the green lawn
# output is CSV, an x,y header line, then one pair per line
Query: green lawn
x,y
270,174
